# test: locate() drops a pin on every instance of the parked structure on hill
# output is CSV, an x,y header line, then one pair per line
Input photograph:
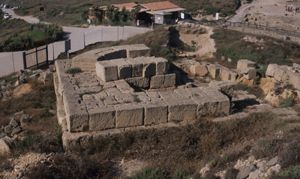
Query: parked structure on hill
x,y
163,12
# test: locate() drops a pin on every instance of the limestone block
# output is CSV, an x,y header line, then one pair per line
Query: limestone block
x,y
163,81
199,70
76,114
137,70
221,103
243,65
281,74
5,146
149,70
156,113
225,74
139,82
107,71
129,115
125,69
294,79
157,82
102,118
214,70
271,70
77,121
141,97
125,98
113,91
251,74
139,53
185,110
112,54
296,66
162,66
110,101
124,87
170,80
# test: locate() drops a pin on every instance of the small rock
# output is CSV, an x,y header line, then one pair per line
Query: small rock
x,y
273,161
13,123
2,134
16,130
5,146
8,129
245,171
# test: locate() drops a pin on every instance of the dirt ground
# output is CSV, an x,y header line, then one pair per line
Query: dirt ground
x,y
204,44
268,12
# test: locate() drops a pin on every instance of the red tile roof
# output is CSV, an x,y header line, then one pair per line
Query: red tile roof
x,y
127,6
162,5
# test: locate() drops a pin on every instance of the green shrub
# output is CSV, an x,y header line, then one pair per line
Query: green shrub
x,y
73,70
292,172
180,174
151,173
287,102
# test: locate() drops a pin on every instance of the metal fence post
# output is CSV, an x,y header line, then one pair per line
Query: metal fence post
x,y
47,59
84,39
24,60
53,51
36,57
13,60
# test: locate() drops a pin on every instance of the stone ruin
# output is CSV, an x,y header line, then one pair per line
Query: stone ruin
x,y
123,88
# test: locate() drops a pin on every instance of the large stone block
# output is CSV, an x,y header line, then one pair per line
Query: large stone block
x,y
199,70
214,70
163,81
139,82
124,87
251,74
170,80
76,114
149,70
294,79
244,65
139,53
107,71
220,104
271,70
162,66
157,82
102,118
129,115
181,110
125,70
156,113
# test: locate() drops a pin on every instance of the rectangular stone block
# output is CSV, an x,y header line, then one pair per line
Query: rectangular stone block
x,y
162,67
156,113
139,82
294,79
220,104
163,81
125,70
214,70
124,87
244,65
157,82
181,110
149,70
170,80
129,115
139,53
102,119
107,71
137,70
